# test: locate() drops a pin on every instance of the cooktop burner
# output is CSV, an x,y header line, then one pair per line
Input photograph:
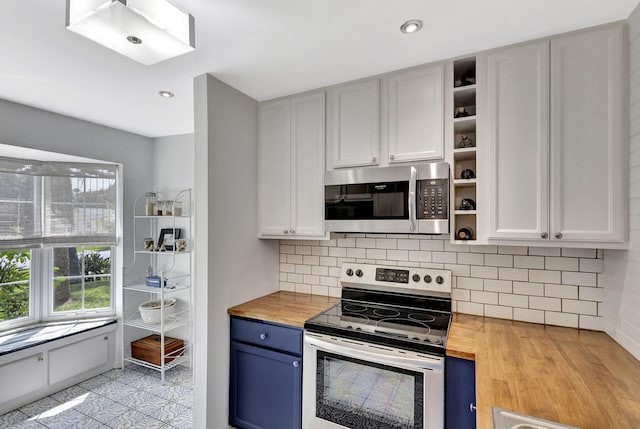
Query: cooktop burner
x,y
402,308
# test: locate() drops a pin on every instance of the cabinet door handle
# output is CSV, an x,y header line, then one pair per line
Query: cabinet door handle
x,y
472,407
286,231
374,159
558,235
263,336
40,359
293,231
296,364
106,338
544,235
392,157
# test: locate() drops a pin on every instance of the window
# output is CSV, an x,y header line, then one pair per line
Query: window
x,y
57,240
15,279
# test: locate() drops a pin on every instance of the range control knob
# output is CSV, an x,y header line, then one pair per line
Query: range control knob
x,y
439,280
359,273
427,278
416,278
349,272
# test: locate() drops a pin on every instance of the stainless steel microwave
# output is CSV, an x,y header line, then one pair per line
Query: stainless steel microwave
x,y
402,199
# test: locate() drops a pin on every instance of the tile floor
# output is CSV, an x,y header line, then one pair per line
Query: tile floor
x,y
129,398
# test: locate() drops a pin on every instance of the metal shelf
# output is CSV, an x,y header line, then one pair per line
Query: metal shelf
x,y
142,287
180,356
176,320
166,252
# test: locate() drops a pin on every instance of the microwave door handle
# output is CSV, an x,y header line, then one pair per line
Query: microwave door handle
x,y
413,224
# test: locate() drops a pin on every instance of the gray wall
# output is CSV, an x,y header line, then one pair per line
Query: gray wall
x,y
622,268
29,127
232,264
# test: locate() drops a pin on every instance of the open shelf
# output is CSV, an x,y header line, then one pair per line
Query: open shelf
x,y
465,154
176,320
179,356
464,182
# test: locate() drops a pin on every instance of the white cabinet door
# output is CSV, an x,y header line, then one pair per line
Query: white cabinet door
x,y
274,161
85,355
22,377
354,124
307,164
518,133
587,165
416,114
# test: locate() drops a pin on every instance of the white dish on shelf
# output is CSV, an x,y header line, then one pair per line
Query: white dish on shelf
x,y
150,310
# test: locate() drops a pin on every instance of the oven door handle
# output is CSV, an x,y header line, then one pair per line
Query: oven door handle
x,y
413,224
422,363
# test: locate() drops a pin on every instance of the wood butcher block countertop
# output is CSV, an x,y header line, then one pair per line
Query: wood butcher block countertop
x,y
575,377
288,308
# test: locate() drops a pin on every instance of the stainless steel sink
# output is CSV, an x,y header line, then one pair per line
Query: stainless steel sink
x,y
503,419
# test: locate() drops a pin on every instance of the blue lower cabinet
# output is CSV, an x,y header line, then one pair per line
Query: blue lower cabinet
x,y
265,390
460,393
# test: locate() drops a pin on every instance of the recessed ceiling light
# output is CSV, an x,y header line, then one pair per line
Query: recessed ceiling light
x,y
166,94
135,40
411,26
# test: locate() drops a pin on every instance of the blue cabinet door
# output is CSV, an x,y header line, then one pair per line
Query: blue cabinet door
x,y
460,393
265,388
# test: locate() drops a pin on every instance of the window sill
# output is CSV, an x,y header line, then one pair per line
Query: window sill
x,y
35,335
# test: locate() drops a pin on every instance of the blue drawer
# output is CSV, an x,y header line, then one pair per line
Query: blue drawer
x,y
264,334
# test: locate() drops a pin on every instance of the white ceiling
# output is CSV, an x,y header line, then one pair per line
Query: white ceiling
x,y
264,48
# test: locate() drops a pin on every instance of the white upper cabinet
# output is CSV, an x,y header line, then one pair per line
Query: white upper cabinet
x,y
291,163
518,101
556,139
354,124
587,118
416,114
274,162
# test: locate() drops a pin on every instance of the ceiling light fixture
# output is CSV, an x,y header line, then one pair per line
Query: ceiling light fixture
x,y
411,26
147,31
166,94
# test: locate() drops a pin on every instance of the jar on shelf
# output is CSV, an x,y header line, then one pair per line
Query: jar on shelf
x,y
150,200
160,208
168,208
177,208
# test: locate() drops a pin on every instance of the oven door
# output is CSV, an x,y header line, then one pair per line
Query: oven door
x,y
357,385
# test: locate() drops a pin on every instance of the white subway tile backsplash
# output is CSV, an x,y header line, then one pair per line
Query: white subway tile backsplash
x,y
528,315
353,252
444,257
471,258
498,260
533,262
420,256
526,288
484,272
560,264
580,307
513,250
504,286
518,274
544,251
406,244
539,285
510,300
561,291
591,322
398,255
433,245
542,303
580,279
561,319
471,308
376,254
484,297
541,276
498,311
470,283
580,253
591,265
458,270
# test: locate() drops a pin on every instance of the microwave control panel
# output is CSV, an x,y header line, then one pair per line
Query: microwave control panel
x,y
433,199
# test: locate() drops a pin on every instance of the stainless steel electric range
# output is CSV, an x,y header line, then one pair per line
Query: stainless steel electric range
x,y
376,359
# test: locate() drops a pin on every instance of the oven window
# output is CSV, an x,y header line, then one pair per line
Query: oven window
x,y
362,395
367,201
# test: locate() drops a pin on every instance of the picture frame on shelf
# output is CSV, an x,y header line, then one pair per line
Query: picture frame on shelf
x,y
168,237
